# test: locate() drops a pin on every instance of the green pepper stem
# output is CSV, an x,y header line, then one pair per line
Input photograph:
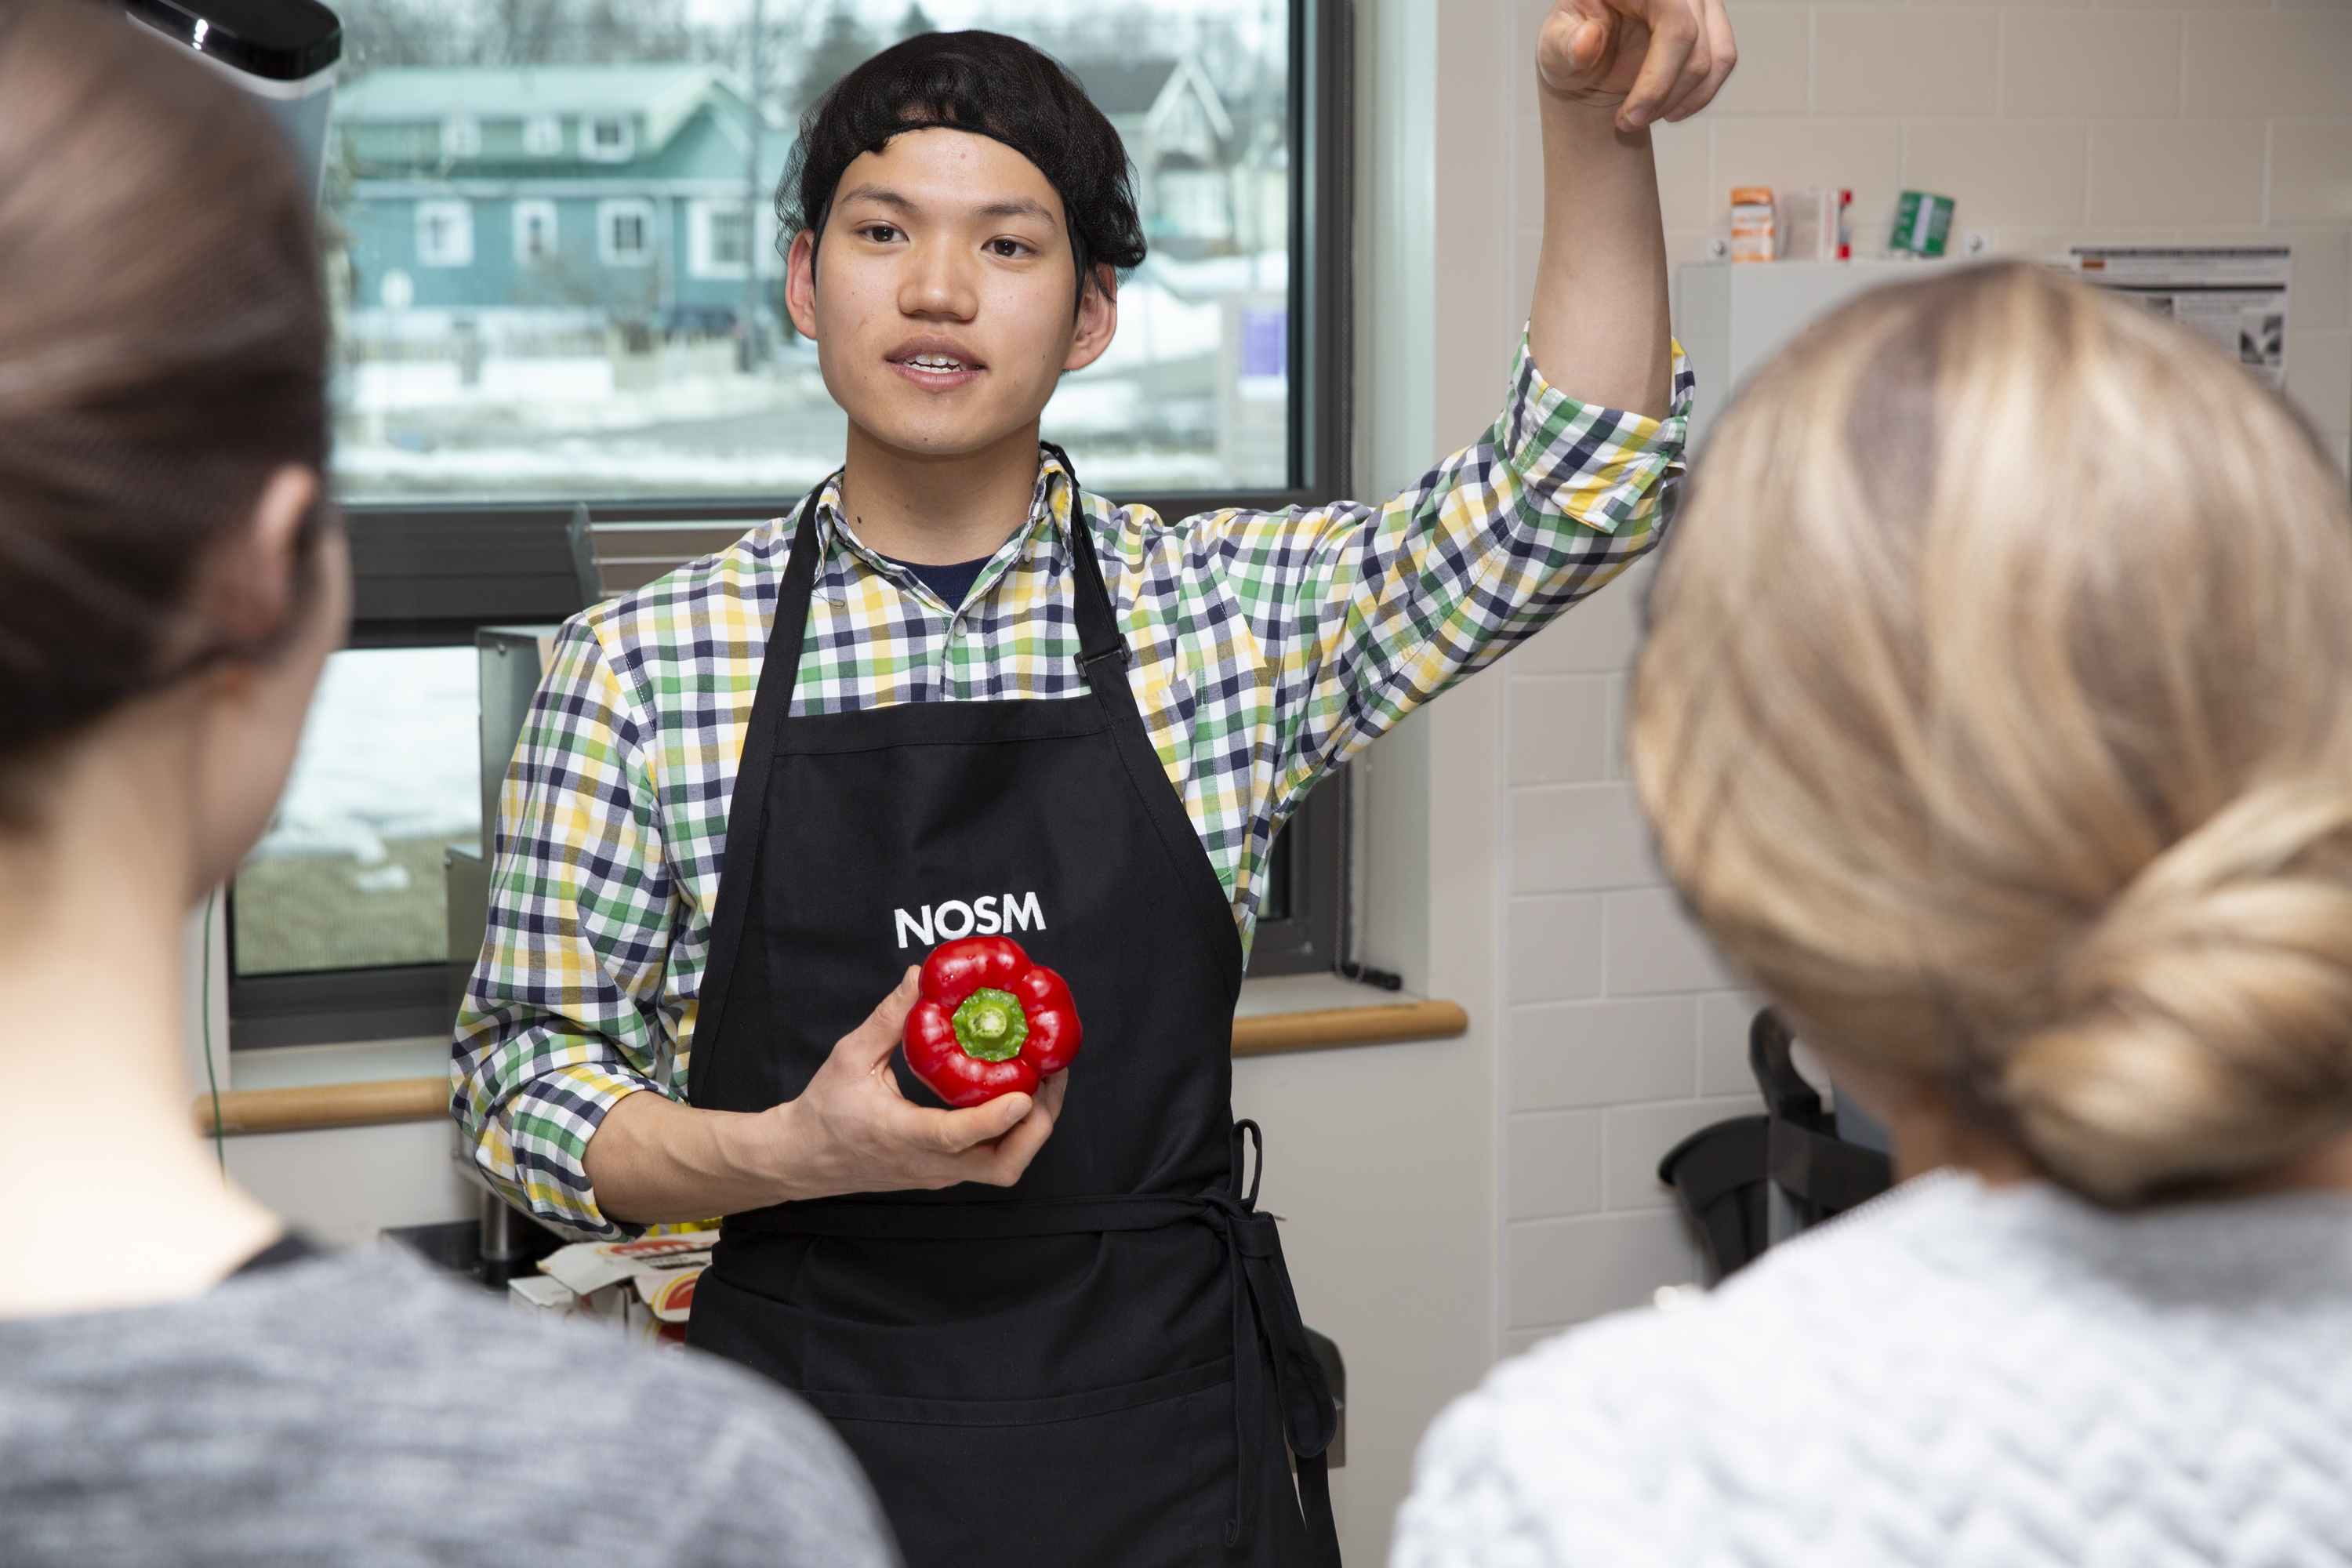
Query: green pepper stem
x,y
990,1025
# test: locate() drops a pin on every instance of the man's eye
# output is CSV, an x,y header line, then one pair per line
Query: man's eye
x,y
1008,249
879,233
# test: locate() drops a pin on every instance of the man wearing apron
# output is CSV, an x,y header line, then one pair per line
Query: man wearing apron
x,y
953,692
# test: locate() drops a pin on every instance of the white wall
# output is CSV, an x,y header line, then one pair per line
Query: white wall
x,y
2070,122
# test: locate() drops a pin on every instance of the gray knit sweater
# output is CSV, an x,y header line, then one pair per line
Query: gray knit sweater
x,y
361,1411
1956,1375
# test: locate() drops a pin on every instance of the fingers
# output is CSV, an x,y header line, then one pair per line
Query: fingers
x,y
1677,63
1051,1093
952,1132
1722,52
1011,1156
869,1045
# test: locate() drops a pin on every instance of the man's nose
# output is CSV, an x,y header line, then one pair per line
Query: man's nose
x,y
939,283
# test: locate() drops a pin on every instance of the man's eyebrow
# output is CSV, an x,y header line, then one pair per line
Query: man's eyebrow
x,y
1018,206
889,198
1010,207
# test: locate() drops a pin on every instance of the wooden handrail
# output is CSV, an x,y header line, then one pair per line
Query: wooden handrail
x,y
1384,1025
324,1105
428,1098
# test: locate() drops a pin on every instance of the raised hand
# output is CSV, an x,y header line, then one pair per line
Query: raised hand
x,y
1649,59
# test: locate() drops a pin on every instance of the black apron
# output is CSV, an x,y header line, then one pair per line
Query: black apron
x,y
1104,1363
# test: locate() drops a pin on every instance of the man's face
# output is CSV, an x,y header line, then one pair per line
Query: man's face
x,y
944,300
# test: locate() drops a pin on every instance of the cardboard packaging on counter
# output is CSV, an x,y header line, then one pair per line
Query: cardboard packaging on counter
x,y
643,1288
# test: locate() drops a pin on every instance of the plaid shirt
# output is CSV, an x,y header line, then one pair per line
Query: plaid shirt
x,y
1269,647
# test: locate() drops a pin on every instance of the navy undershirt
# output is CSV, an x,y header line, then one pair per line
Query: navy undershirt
x,y
949,582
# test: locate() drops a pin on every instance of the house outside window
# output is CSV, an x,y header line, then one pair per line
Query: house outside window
x,y
444,234
461,137
607,139
624,232
534,233
542,136
719,240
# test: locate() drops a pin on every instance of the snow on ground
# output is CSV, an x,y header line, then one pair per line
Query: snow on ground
x,y
389,752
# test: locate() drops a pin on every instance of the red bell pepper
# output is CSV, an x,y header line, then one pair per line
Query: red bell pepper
x,y
989,1022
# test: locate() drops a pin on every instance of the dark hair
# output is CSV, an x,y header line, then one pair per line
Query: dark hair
x,y
162,351
991,85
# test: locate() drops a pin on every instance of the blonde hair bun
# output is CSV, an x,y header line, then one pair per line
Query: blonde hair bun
x,y
1996,716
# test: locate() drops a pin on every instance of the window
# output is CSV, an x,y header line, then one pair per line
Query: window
x,y
625,232
534,233
607,139
444,234
349,878
349,874
1234,116
461,137
719,240
655,380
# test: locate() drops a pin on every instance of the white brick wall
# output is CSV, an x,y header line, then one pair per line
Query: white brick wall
x,y
1624,1032
2050,124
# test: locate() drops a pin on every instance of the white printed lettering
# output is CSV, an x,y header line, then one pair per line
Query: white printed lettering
x,y
1022,914
906,926
964,910
991,922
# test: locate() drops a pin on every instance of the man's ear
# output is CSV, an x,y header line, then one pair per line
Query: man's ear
x,y
800,283
1098,319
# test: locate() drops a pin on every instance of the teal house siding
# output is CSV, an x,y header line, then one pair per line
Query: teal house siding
x,y
444,172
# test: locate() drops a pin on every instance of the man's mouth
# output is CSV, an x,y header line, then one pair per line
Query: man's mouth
x,y
938,363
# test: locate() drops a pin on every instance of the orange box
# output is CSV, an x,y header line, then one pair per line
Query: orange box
x,y
1752,237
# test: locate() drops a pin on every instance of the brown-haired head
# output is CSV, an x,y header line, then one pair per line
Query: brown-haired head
x,y
162,351
1996,716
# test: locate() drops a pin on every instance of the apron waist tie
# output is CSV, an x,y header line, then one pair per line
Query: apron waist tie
x,y
1265,1310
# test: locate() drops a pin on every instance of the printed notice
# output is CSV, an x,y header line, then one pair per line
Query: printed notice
x,y
2234,295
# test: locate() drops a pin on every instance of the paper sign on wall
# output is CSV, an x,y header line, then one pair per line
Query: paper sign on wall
x,y
2235,295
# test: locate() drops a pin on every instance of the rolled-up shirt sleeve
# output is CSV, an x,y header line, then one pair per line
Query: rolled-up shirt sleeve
x,y
1359,614
567,1012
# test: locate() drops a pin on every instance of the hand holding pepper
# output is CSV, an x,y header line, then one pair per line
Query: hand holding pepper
x,y
990,1022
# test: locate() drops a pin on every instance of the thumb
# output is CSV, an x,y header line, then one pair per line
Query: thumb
x,y
1586,42
870,1044
982,1123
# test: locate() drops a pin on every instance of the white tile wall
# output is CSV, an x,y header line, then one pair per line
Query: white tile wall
x,y
2052,123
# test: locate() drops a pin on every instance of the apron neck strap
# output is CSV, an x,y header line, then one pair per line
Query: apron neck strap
x,y
791,627
1102,652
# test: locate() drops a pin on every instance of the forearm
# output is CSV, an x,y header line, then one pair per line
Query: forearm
x,y
1599,329
655,1162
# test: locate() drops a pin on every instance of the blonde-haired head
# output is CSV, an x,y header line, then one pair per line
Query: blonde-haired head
x,y
1996,717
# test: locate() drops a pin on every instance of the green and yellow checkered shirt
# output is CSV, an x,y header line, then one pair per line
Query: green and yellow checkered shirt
x,y
1269,647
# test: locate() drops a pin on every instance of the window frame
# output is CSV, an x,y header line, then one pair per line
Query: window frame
x,y
703,217
458,211
593,150
524,209
642,209
436,572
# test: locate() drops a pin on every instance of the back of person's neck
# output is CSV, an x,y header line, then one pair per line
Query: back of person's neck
x,y
112,1200
937,509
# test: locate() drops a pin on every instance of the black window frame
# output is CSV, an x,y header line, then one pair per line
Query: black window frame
x,y
433,574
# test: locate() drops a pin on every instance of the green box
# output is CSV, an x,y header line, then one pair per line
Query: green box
x,y
1922,224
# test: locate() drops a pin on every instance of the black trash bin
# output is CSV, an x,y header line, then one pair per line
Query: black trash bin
x,y
1753,1181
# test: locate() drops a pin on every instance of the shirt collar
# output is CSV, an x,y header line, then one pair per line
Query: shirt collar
x,y
1052,506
